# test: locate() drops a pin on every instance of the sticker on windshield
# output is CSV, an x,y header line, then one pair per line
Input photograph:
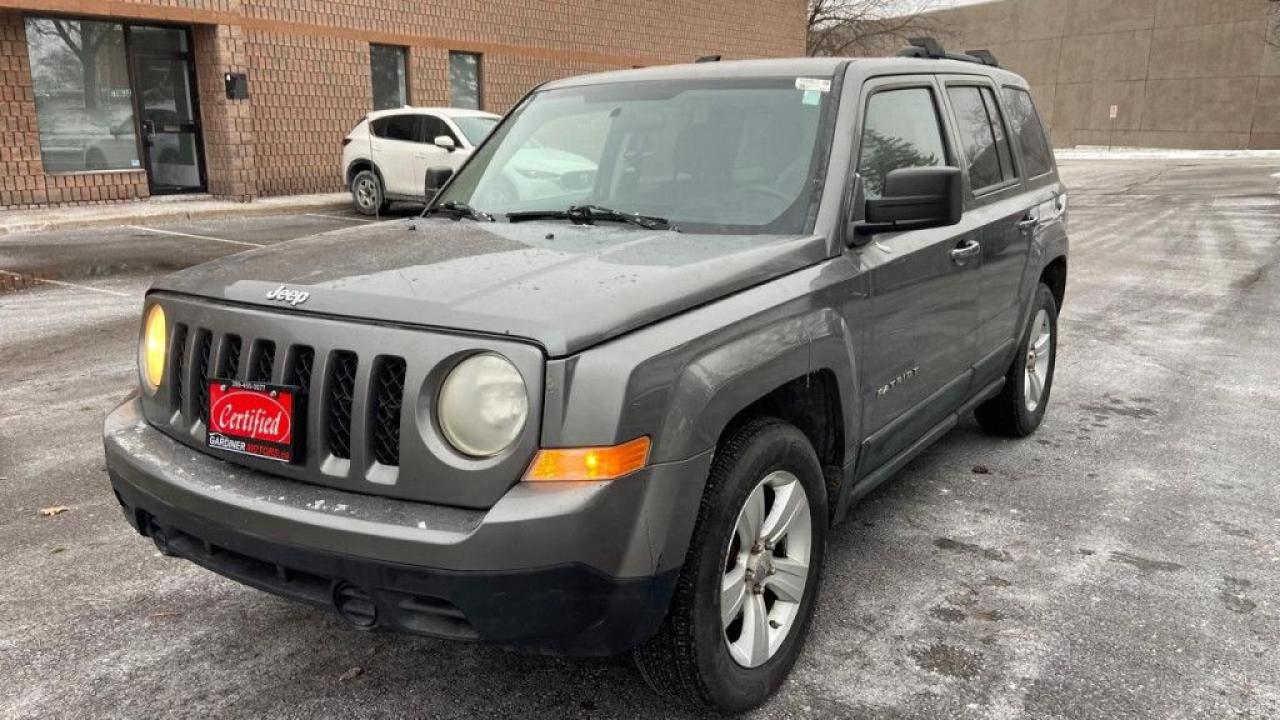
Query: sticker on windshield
x,y
813,85
811,97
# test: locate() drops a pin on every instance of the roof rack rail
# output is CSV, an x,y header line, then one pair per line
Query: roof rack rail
x,y
929,48
708,58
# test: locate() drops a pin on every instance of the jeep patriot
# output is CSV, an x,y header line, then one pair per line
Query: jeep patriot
x,y
617,406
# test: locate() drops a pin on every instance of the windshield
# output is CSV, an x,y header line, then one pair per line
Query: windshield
x,y
722,155
475,128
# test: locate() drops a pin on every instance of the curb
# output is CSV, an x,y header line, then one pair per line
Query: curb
x,y
178,214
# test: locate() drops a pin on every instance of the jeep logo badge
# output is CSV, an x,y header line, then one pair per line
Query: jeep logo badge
x,y
285,295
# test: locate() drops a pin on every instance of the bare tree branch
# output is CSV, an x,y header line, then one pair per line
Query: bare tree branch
x,y
854,27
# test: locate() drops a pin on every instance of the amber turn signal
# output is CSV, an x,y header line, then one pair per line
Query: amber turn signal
x,y
591,463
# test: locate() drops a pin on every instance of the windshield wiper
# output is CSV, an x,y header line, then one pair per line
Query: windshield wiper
x,y
589,214
457,210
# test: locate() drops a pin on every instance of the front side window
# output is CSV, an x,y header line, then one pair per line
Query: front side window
x,y
982,135
390,80
464,80
433,127
84,105
1028,131
900,130
405,128
717,156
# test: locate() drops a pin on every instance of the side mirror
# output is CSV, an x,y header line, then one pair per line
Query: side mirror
x,y
914,199
436,178
444,142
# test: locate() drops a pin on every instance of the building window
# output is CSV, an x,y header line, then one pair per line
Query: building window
x,y
464,78
390,81
84,107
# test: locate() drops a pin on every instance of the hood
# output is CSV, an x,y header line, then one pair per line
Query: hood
x,y
564,286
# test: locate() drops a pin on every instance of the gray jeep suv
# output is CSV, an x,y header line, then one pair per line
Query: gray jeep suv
x,y
618,413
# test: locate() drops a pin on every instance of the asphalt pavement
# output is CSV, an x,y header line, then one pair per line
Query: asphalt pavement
x,y
1122,563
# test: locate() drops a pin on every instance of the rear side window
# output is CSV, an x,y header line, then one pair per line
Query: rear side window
x,y
397,127
986,144
1028,131
900,130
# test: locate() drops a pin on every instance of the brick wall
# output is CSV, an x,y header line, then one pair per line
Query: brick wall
x,y
308,68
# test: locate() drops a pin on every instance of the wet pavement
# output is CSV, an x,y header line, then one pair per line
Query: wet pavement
x,y
1122,563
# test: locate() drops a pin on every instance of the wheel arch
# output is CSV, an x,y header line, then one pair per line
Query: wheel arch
x,y
1054,274
360,164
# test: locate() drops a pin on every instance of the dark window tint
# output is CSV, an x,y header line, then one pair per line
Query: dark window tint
x,y
433,127
387,67
1003,149
901,130
397,127
1028,132
984,136
464,80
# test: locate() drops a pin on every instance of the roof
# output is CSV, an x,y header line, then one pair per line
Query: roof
x,y
446,111
782,67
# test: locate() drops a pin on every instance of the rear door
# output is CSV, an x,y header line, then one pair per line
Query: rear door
x,y
999,203
916,366
396,139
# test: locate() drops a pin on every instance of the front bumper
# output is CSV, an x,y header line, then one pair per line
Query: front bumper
x,y
572,568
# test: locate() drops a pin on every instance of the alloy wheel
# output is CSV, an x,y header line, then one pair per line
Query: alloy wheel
x,y
766,569
1039,350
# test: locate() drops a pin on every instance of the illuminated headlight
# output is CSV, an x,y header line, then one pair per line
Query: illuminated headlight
x,y
483,405
151,355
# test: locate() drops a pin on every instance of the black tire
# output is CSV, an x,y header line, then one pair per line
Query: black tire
x,y
367,193
1007,414
688,661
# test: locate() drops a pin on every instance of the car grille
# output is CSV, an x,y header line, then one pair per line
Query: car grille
x,y
364,419
338,394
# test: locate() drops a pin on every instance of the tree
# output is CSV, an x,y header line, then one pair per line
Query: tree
x,y
85,40
853,27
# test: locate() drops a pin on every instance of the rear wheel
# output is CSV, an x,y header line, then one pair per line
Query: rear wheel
x,y
1019,408
367,193
745,597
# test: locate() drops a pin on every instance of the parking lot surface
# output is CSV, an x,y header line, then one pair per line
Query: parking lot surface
x,y
1122,563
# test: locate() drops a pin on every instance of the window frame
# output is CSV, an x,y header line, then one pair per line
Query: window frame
x,y
888,83
1044,132
408,84
479,78
979,82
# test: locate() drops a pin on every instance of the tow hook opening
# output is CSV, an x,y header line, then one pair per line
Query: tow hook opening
x,y
354,605
158,536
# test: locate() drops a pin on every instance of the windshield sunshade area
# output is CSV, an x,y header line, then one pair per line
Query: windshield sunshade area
x,y
708,155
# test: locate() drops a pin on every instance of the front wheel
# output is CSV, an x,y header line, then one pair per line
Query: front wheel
x,y
367,193
1019,408
745,596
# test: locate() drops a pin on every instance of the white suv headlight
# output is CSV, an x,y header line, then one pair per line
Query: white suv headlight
x,y
483,405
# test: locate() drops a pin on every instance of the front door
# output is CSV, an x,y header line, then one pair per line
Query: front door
x,y
923,283
166,105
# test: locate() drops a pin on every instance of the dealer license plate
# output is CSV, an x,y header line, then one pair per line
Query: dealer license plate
x,y
253,419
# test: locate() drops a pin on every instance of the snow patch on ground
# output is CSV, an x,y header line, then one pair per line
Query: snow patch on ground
x,y
1085,152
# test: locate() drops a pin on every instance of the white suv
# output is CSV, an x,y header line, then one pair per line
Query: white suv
x,y
386,156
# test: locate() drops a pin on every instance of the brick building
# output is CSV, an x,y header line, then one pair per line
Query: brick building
x,y
1176,73
108,100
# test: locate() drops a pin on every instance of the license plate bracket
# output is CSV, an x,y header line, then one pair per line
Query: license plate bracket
x,y
255,419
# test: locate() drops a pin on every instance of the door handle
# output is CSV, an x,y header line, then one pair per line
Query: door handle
x,y
1028,223
965,252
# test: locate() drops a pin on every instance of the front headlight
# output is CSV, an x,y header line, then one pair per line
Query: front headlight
x,y
154,342
483,405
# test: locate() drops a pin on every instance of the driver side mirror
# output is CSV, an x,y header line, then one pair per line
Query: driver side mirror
x,y
914,199
444,142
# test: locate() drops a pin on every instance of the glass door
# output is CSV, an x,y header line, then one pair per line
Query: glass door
x,y
164,93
